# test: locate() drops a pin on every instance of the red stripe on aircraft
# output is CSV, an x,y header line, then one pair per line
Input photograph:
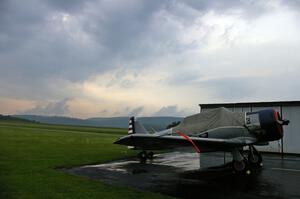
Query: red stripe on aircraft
x,y
189,139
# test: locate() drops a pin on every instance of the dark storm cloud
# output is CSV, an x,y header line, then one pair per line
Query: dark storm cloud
x,y
18,23
250,8
42,42
293,4
72,6
31,52
119,27
31,47
120,34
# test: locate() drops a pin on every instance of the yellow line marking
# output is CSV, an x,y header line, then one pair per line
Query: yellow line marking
x,y
283,169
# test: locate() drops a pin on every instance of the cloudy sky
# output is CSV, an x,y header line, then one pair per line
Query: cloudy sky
x,y
84,58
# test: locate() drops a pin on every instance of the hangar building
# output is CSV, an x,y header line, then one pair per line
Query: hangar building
x,y
288,109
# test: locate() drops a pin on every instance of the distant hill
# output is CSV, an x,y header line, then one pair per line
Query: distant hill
x,y
13,119
54,119
158,123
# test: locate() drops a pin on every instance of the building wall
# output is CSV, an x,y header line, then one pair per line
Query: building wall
x,y
291,138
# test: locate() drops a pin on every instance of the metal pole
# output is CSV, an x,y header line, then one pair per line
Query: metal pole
x,y
281,140
199,160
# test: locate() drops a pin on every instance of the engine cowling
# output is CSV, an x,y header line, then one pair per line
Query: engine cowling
x,y
267,124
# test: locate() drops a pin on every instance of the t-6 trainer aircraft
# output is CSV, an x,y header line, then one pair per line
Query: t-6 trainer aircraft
x,y
215,130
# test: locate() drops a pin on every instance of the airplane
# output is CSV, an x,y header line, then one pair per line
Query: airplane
x,y
214,130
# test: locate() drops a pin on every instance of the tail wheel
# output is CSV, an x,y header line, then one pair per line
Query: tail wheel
x,y
150,155
142,156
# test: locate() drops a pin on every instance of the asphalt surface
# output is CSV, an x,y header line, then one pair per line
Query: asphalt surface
x,y
180,175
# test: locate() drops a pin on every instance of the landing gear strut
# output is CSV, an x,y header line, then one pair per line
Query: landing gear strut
x,y
242,164
239,163
254,157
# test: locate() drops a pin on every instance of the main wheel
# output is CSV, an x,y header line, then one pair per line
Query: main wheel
x,y
150,155
255,159
241,167
142,156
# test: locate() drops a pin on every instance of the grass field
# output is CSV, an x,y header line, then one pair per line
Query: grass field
x,y
30,154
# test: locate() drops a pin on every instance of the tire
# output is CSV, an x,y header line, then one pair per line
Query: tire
x,y
150,155
241,167
142,156
255,159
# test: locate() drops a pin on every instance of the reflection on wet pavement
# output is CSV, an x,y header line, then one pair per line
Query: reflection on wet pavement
x,y
179,174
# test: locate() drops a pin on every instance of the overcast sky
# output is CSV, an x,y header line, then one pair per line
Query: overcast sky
x,y
105,58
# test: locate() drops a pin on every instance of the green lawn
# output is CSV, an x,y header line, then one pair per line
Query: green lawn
x,y
31,153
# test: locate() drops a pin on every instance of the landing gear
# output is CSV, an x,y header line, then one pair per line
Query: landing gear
x,y
244,165
240,167
254,157
143,156
150,155
240,163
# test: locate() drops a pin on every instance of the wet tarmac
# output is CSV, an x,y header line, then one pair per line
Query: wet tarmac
x,y
179,175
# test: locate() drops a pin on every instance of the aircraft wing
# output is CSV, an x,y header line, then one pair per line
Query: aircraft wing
x,y
153,142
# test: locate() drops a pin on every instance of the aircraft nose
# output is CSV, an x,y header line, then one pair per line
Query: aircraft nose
x,y
271,122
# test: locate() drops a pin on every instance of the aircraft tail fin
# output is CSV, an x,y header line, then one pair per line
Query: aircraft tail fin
x,y
136,127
